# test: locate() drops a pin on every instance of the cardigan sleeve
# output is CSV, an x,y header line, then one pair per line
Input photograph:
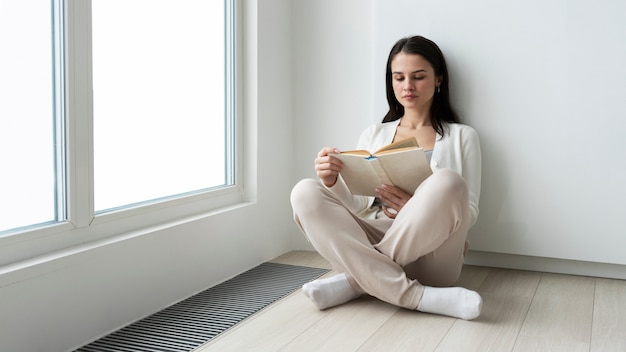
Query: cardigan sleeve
x,y
471,168
356,204
459,150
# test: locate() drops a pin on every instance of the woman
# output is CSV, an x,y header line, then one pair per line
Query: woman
x,y
401,248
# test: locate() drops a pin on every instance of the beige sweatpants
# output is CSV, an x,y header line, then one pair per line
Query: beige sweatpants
x,y
391,259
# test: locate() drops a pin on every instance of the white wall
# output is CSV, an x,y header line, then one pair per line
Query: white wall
x,y
542,82
60,301
332,69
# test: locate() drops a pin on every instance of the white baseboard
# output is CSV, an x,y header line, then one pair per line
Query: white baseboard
x,y
550,265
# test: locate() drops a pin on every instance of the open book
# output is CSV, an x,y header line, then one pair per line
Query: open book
x,y
402,164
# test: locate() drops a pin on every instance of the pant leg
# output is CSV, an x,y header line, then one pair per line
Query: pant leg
x,y
345,241
441,268
428,236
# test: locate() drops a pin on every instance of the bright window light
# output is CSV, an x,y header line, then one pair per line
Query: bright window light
x,y
27,136
158,99
162,78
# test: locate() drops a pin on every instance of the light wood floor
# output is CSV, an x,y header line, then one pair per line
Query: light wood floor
x,y
522,311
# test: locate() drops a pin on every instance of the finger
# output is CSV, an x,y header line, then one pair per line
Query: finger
x,y
327,172
398,196
382,195
388,197
328,163
328,150
395,191
391,215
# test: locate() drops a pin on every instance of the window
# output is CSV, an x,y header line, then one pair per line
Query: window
x,y
146,117
158,79
28,187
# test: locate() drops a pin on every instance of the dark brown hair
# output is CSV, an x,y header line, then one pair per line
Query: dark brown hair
x,y
441,110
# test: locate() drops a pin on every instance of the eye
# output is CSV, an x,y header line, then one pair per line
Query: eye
x,y
419,78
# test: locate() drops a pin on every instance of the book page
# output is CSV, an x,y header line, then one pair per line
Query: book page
x,y
358,174
405,143
396,150
405,168
362,153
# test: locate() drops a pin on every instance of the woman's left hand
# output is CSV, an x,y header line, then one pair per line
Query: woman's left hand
x,y
393,199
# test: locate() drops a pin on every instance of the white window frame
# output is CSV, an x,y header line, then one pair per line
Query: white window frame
x,y
84,228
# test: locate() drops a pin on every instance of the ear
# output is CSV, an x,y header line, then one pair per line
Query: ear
x,y
438,81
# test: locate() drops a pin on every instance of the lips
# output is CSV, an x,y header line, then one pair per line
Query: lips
x,y
409,96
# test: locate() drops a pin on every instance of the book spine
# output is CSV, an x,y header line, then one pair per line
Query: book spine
x,y
380,171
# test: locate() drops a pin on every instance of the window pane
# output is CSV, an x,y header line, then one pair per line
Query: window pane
x,y
27,154
158,77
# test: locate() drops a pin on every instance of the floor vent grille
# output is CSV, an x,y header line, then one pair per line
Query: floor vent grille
x,y
193,322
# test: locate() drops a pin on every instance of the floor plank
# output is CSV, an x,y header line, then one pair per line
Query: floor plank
x,y
472,277
414,331
507,296
345,327
522,311
609,316
409,330
560,315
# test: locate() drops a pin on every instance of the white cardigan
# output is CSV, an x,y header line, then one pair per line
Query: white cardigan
x,y
459,150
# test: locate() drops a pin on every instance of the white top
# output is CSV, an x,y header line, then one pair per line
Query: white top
x,y
429,154
459,150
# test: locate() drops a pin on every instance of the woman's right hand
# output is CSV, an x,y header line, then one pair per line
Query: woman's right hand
x,y
327,167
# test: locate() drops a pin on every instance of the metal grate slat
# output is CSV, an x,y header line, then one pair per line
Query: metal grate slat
x,y
191,323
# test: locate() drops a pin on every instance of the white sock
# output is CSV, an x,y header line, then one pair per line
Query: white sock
x,y
456,302
329,292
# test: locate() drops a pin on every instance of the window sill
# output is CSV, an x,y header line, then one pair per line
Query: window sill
x,y
52,243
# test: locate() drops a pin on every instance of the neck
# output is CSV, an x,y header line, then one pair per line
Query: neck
x,y
415,119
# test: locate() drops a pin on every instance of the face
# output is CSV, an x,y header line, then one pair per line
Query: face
x,y
414,81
